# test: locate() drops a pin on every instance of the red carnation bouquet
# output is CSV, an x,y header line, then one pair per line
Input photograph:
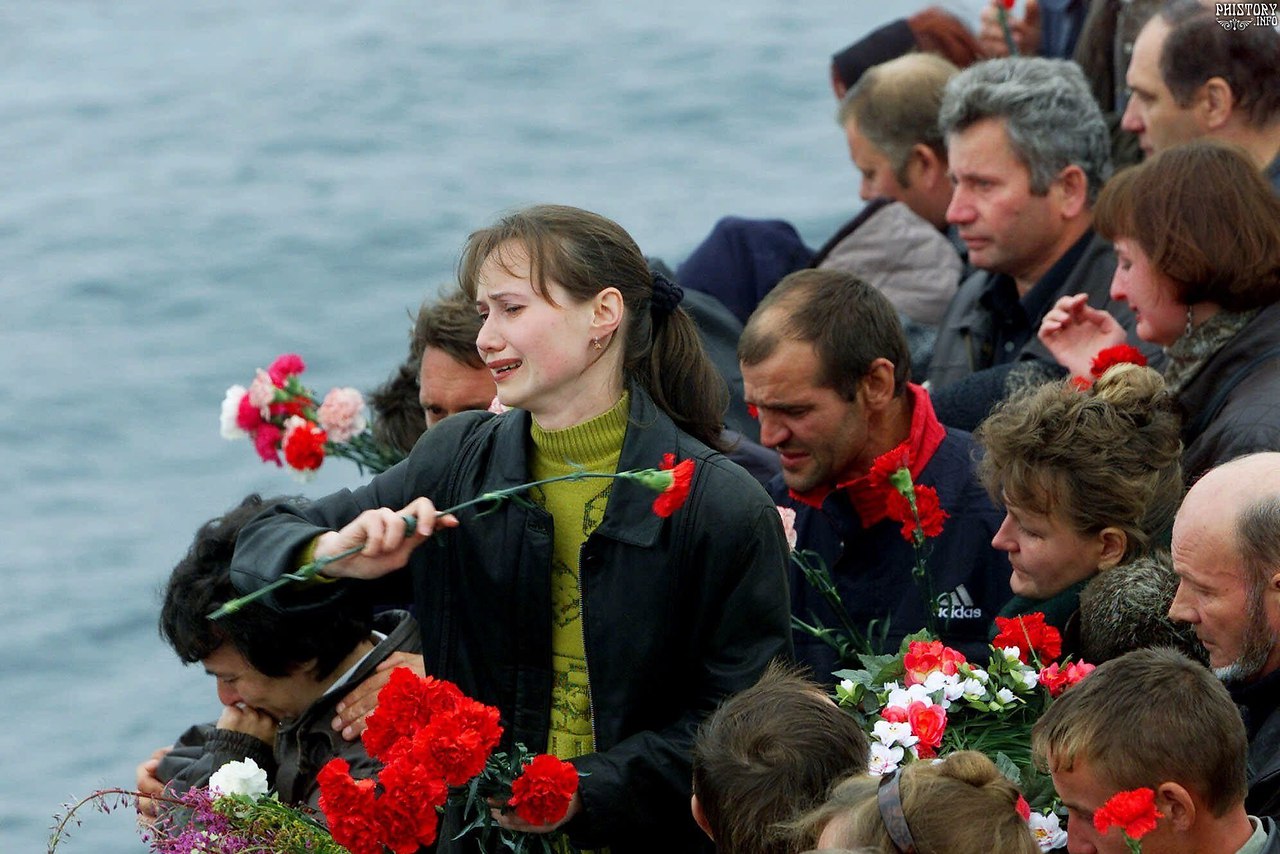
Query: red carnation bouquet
x,y
438,746
913,506
283,418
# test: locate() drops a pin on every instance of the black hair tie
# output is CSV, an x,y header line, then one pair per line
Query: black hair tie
x,y
666,296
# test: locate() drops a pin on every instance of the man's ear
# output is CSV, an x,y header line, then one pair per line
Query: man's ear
x,y
877,385
1073,189
925,167
1177,805
1112,541
700,817
1216,103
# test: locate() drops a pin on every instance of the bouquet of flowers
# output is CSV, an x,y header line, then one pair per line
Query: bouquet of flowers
x,y
929,701
234,813
437,746
282,417
917,509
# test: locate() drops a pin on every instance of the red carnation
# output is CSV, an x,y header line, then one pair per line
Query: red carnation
x,y
1119,354
671,498
886,464
542,792
1029,633
407,814
898,508
459,744
349,808
1023,808
753,411
303,445
1134,812
284,367
406,704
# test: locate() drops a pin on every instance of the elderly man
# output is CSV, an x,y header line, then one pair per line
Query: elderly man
x,y
825,363
1192,75
1028,152
1226,551
1153,719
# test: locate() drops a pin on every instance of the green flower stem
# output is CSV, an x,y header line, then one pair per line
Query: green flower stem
x,y
1003,17
654,479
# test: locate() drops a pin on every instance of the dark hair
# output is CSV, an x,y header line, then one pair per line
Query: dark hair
x,y
768,754
449,323
585,253
1205,217
1133,719
849,323
938,31
398,421
274,643
1198,48
1127,608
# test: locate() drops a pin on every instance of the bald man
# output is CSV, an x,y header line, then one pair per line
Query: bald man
x,y
1226,551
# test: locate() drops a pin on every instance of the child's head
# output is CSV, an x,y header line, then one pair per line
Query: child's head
x,y
767,755
962,805
1088,477
644,336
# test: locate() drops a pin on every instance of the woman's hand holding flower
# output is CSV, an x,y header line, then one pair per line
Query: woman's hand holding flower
x,y
385,543
1074,331
511,821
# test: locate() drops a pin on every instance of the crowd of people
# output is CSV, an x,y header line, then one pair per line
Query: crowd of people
x,y
1081,362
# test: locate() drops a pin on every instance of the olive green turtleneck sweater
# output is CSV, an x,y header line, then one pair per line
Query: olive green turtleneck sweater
x,y
577,508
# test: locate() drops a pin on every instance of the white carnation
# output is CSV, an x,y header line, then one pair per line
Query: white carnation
x,y
239,778
230,410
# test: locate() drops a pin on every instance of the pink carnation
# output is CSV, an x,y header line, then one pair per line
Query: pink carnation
x,y
284,367
342,414
248,416
266,441
262,391
788,515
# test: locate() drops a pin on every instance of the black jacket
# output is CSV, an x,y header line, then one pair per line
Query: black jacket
x,y
678,613
1231,407
1259,705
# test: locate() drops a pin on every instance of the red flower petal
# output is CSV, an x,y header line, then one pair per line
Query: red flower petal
x,y
1134,812
1111,356
542,792
673,497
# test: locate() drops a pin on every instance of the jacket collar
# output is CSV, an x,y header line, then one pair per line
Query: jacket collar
x,y
629,516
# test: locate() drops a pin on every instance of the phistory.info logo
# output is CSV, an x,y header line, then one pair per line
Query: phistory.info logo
x,y
1239,16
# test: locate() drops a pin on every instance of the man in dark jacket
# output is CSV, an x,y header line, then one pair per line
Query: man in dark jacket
x,y
1226,551
278,677
825,364
1028,152
1152,719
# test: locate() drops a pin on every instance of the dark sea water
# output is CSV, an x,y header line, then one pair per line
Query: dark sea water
x,y
188,189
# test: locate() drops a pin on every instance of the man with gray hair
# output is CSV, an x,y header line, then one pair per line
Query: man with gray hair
x,y
1226,551
1028,152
